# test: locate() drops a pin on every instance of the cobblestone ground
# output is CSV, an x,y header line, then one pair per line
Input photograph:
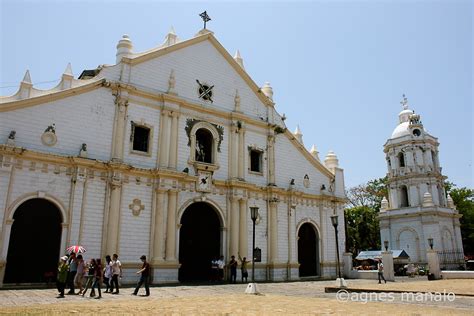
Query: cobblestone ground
x,y
296,298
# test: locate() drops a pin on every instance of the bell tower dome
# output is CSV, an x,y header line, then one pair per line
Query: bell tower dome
x,y
417,206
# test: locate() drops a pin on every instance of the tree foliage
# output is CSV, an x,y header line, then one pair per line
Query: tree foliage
x,y
463,199
362,225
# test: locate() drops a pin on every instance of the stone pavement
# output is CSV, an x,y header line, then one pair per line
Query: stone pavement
x,y
309,296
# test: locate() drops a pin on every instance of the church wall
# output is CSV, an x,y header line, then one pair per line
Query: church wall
x,y
29,182
291,164
93,114
135,230
283,232
204,63
92,234
150,117
261,231
4,181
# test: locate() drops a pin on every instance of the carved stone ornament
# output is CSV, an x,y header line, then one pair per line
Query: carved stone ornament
x,y
204,181
306,181
49,137
136,207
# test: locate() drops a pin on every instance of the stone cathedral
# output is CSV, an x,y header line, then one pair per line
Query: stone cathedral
x,y
418,208
163,154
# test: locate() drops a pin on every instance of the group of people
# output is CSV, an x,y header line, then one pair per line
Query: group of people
x,y
74,272
218,266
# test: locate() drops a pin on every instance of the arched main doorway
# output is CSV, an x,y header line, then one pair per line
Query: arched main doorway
x,y
34,244
199,242
308,250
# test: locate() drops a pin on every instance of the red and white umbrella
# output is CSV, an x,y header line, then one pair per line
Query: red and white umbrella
x,y
76,249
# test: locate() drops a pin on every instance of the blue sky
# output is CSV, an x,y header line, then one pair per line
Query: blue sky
x,y
338,68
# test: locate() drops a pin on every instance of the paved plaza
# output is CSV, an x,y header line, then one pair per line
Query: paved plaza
x,y
297,298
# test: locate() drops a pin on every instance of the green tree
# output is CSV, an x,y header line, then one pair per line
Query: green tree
x,y
362,225
463,199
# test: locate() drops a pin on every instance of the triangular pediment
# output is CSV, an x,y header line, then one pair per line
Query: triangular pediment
x,y
202,59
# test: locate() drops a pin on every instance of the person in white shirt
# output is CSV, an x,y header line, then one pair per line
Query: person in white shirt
x,y
108,274
116,273
221,265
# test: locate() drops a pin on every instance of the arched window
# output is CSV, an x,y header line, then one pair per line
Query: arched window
x,y
204,143
403,196
401,159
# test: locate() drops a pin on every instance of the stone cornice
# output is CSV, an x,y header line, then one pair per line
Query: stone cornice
x,y
125,169
53,96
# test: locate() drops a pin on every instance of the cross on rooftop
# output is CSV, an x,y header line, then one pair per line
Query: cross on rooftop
x,y
205,18
404,102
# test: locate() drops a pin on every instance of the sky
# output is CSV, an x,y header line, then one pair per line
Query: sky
x,y
337,68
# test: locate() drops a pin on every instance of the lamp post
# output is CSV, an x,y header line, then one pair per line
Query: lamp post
x,y
334,220
430,242
254,216
385,243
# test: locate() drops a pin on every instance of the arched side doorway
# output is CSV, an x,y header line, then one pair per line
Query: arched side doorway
x,y
199,242
308,250
35,240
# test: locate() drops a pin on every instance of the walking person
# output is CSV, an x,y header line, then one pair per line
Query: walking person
x,y
220,266
81,270
108,274
243,268
72,273
90,278
233,269
63,268
97,277
144,278
380,268
116,273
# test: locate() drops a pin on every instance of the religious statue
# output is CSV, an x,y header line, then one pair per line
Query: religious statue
x,y
51,128
83,151
11,138
200,154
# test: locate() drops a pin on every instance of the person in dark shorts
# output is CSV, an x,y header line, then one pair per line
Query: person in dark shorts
x,y
243,268
144,278
233,269
62,276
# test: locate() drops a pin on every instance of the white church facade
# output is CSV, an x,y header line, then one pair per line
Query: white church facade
x,y
163,154
418,209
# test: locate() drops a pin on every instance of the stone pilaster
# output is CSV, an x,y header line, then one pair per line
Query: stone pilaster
x,y
234,226
273,222
159,233
121,102
243,234
271,158
241,153
163,149
234,137
113,223
171,226
173,152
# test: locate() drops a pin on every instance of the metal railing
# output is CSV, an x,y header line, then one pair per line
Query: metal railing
x,y
451,259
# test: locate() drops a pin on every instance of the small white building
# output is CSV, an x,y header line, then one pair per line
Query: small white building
x,y
418,208
162,154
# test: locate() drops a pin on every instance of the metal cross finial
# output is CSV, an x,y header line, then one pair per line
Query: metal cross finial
x,y
205,18
404,102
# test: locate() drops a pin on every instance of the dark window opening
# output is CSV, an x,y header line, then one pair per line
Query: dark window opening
x,y
204,143
140,138
404,196
401,159
255,160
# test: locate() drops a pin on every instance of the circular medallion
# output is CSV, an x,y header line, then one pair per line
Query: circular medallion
x,y
49,139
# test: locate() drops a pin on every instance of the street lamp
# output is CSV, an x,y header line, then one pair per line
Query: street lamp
x,y
254,216
430,242
334,220
385,243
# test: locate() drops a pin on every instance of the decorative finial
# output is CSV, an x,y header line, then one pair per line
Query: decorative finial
x,y
404,102
206,18
27,77
237,101
172,83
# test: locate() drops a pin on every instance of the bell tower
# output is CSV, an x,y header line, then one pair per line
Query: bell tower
x,y
417,206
